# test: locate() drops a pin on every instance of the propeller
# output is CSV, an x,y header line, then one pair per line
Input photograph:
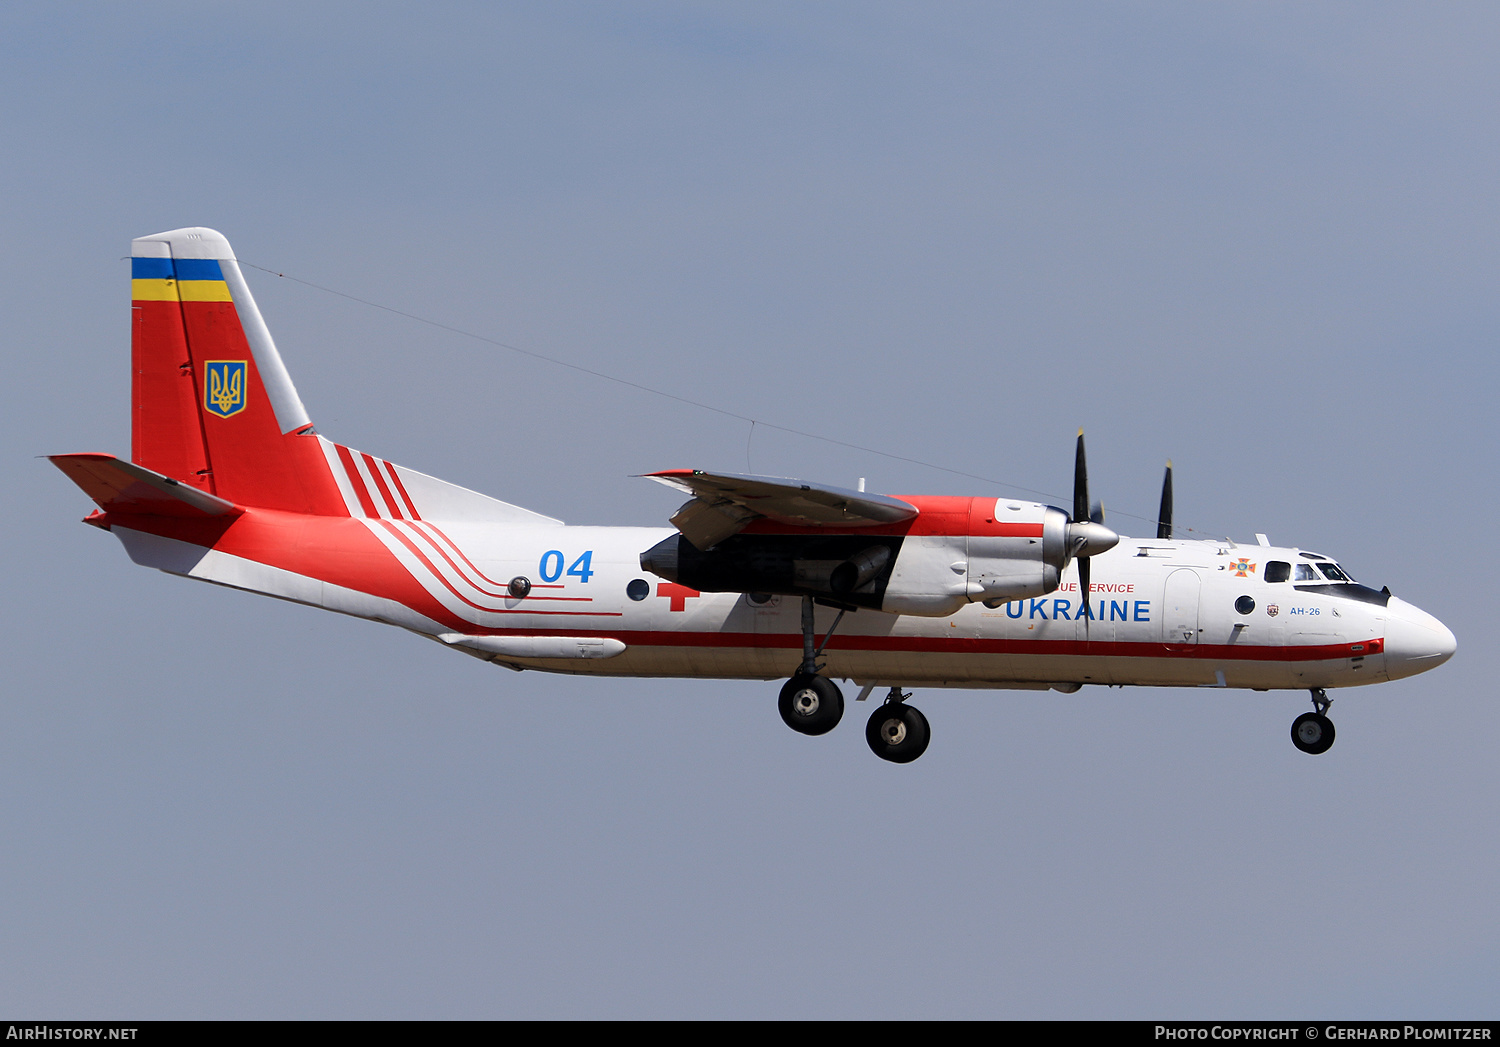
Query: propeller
x,y
1087,535
1164,516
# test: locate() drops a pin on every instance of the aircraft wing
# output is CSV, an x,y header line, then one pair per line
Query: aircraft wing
x,y
724,504
124,487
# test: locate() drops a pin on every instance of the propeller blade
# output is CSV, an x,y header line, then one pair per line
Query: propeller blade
x,y
1083,592
1080,484
1164,516
1087,535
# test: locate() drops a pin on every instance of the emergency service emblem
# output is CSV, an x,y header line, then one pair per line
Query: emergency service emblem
x,y
1242,568
224,387
1273,610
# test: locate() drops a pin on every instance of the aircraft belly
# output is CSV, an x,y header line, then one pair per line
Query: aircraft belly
x,y
658,657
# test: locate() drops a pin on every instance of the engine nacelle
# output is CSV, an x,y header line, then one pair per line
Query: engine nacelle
x,y
1008,550
957,551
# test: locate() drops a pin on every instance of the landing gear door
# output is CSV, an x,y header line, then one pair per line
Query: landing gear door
x,y
1179,620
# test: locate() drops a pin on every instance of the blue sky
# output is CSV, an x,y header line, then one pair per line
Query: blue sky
x,y
1258,239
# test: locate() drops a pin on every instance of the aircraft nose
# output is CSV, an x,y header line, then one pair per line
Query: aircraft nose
x,y
1415,641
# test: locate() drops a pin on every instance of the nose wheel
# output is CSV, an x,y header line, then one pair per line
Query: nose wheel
x,y
897,732
1313,732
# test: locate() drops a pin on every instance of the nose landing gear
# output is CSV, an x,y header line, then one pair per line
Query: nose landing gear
x,y
1313,732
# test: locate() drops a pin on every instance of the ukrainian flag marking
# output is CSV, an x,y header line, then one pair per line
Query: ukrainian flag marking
x,y
181,279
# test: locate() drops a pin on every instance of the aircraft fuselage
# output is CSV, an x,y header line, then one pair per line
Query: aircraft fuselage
x,y
1164,612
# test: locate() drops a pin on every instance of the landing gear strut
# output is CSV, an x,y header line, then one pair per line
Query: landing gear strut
x,y
809,703
897,732
1313,732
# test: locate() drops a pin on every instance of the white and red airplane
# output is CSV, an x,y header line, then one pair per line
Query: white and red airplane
x,y
229,483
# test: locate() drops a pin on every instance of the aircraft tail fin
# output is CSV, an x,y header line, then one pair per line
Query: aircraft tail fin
x,y
212,404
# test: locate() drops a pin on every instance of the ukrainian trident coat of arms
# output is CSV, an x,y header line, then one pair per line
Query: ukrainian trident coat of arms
x,y
224,387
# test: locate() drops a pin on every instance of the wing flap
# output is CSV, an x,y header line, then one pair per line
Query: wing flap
x,y
123,487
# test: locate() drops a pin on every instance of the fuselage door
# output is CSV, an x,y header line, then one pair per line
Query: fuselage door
x,y
1179,620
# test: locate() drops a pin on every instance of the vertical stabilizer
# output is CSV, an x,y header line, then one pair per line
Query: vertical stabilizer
x,y
212,403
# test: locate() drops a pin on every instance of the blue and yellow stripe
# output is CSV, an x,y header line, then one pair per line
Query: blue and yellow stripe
x,y
179,279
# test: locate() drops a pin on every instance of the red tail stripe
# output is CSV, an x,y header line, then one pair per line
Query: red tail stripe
x,y
411,510
357,482
385,492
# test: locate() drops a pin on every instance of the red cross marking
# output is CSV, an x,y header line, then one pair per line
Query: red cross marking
x,y
677,593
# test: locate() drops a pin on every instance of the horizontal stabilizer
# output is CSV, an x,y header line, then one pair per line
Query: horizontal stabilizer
x,y
122,487
726,503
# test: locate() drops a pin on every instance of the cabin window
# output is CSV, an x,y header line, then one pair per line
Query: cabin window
x,y
1278,571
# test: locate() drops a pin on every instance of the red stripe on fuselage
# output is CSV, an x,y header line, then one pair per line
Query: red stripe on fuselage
x,y
427,525
457,569
422,528
971,645
412,548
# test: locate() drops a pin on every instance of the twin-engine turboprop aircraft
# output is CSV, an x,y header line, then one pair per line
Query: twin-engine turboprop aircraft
x,y
762,578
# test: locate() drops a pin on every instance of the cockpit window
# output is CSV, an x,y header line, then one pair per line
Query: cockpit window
x,y
1305,573
1278,571
1334,573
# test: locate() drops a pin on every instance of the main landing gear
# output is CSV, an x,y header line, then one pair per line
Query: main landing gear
x,y
813,704
897,732
1313,732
